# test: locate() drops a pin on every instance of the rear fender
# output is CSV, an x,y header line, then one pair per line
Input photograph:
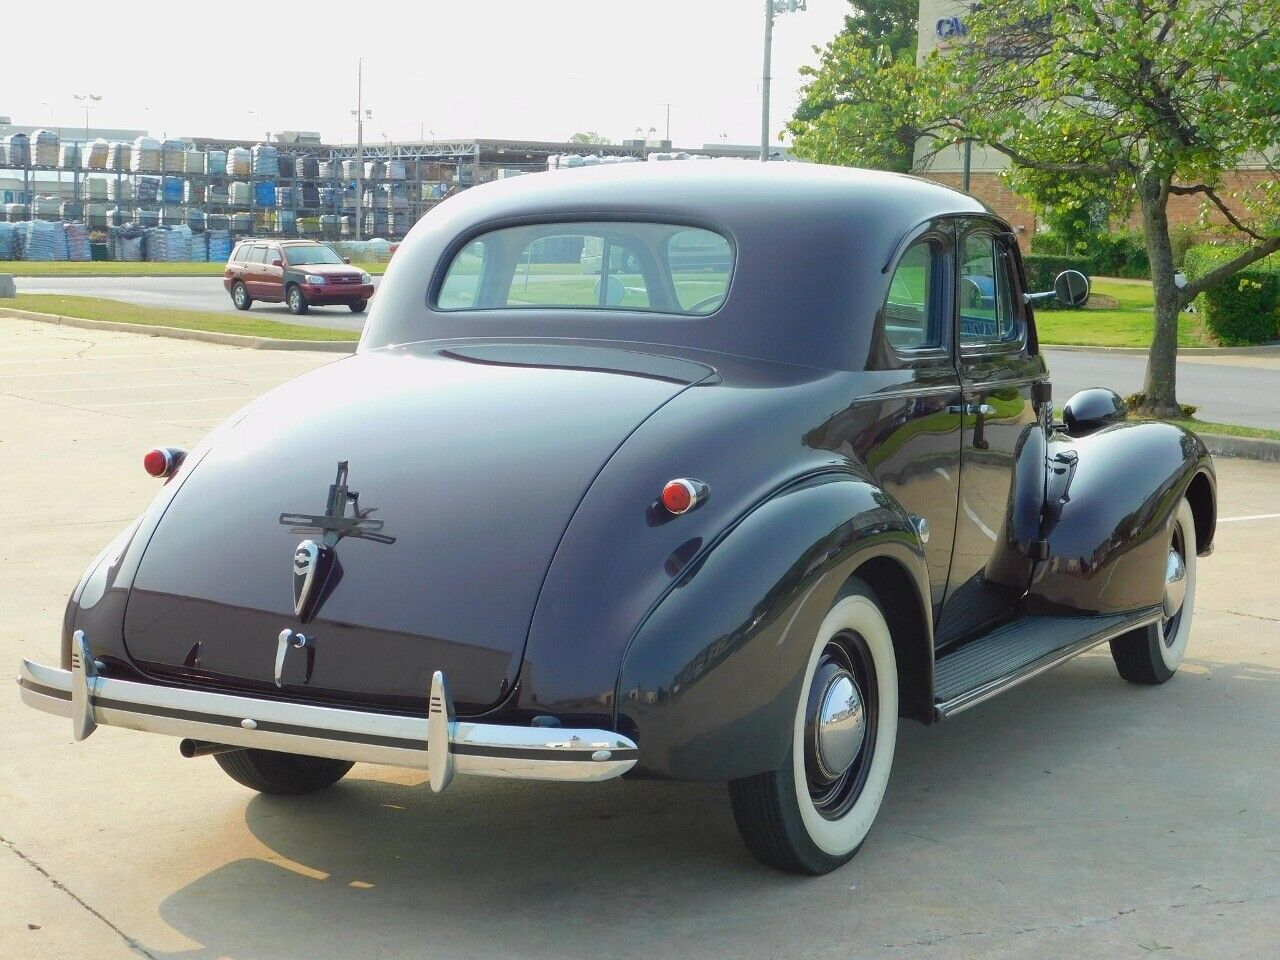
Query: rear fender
x,y
1110,499
709,683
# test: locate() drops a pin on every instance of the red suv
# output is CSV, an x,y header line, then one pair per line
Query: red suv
x,y
300,273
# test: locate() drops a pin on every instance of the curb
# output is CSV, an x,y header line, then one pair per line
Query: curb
x,y
1244,448
180,333
1262,350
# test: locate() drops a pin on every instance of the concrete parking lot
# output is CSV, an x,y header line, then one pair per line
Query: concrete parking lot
x,y
1075,817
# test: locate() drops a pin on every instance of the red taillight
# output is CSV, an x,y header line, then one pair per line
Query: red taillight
x,y
681,496
163,462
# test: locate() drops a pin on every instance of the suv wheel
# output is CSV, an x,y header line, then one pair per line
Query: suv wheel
x,y
240,296
297,302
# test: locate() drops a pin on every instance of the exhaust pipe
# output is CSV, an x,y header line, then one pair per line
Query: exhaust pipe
x,y
203,748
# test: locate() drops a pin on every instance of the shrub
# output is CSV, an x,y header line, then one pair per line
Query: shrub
x,y
1122,254
1182,238
1043,270
1048,243
1244,308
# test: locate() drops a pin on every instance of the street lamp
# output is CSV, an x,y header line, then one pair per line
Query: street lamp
x,y
771,9
87,101
361,115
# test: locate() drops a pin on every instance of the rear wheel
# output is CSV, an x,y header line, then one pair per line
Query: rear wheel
x,y
358,306
240,296
295,299
284,774
1152,654
812,814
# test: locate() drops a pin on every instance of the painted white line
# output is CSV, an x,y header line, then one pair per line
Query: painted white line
x,y
1256,516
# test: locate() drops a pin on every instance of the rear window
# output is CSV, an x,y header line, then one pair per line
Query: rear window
x,y
648,267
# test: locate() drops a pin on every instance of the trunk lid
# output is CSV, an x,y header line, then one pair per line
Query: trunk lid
x,y
473,457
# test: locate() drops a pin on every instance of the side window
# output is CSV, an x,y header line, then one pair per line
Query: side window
x,y
987,314
462,283
911,315
257,255
238,255
272,255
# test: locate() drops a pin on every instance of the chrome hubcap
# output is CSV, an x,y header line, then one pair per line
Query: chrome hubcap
x,y
841,726
1175,584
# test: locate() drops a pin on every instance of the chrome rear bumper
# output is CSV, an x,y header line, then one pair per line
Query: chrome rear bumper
x,y
433,741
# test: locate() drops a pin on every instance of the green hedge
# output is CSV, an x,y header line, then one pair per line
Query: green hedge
x,y
1042,270
1122,254
1244,308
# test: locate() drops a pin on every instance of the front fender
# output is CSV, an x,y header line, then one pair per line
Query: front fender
x,y
709,684
1109,503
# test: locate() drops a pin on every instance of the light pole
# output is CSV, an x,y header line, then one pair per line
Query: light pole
x,y
87,101
361,115
771,9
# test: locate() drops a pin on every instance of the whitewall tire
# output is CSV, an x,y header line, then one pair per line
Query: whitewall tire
x,y
1152,654
813,814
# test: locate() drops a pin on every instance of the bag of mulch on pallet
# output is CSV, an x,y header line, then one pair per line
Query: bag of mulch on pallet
x,y
216,162
199,248
77,235
7,246
96,154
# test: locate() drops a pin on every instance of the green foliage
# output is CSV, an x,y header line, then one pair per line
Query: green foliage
x,y
1136,401
1122,254
590,137
1182,238
857,107
1244,308
1042,270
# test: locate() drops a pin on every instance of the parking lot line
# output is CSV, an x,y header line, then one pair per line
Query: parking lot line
x,y
1256,516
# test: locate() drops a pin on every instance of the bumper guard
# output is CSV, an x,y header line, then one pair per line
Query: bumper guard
x,y
434,741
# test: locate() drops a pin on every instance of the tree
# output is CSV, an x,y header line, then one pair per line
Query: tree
x,y
591,137
1134,101
856,109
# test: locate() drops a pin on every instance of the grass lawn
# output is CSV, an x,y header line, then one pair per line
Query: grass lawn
x,y
1128,324
31,268
93,308
1229,429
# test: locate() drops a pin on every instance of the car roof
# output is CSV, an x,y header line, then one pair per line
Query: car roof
x,y
811,243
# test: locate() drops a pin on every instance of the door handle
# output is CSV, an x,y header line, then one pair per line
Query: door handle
x,y
972,409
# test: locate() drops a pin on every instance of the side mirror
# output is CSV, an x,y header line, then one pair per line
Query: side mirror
x,y
346,259
1070,288
1091,410
277,262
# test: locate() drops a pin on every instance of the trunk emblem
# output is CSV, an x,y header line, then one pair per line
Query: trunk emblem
x,y
313,561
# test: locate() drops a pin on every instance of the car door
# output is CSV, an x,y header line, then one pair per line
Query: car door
x,y
915,419
254,260
1002,438
273,273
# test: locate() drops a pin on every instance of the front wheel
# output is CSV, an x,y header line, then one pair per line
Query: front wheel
x,y
358,306
812,814
1151,655
296,301
283,774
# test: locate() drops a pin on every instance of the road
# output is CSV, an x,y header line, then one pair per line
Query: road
x,y
1224,389
1074,817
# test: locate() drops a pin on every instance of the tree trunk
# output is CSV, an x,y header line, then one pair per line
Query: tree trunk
x,y
1160,386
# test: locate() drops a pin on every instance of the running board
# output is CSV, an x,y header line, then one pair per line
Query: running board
x,y
1020,650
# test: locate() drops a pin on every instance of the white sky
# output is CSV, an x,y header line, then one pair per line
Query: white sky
x,y
469,68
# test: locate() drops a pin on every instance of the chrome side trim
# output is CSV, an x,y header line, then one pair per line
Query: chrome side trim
x,y
971,698
433,741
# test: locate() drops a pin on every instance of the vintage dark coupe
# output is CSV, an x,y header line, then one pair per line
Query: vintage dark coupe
x,y
711,471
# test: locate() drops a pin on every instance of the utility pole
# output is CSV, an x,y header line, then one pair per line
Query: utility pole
x,y
668,134
771,8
